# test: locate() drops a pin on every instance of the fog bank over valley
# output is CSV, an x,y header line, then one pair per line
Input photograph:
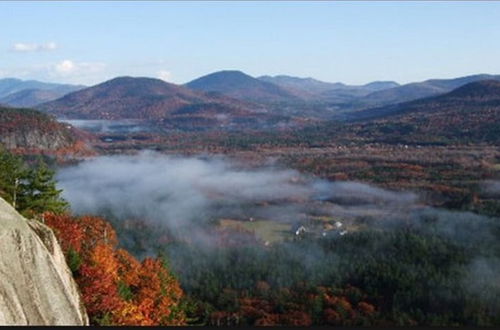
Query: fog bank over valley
x,y
184,194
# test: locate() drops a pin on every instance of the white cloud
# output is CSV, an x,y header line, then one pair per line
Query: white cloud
x,y
65,71
164,75
32,47
65,67
69,67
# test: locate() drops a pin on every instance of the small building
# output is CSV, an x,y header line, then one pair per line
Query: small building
x,y
300,230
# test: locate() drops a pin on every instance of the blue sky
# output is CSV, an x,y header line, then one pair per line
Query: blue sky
x,y
353,42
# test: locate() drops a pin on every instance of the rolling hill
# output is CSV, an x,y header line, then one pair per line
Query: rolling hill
x,y
169,105
470,113
241,86
325,91
309,85
419,90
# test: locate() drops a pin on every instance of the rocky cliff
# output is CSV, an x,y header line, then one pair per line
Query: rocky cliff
x,y
27,128
36,285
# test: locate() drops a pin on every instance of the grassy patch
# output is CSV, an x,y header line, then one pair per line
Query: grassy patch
x,y
266,230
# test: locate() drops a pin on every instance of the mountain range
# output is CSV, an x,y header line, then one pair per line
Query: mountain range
x,y
28,93
468,113
475,94
229,99
166,104
418,90
316,90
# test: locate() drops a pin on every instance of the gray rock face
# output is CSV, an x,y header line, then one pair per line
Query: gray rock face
x,y
36,285
35,139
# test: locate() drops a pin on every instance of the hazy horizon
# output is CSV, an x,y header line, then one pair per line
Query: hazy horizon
x,y
303,77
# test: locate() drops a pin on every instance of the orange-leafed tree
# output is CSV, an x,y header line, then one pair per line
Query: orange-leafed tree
x,y
116,288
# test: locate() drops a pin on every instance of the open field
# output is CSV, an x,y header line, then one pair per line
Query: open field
x,y
267,231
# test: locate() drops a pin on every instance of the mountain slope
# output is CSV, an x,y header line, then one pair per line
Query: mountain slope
x,y
167,105
418,90
12,85
318,87
132,98
36,286
242,86
352,93
309,85
475,95
32,97
470,113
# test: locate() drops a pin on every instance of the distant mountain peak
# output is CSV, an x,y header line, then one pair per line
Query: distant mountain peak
x,y
26,93
242,86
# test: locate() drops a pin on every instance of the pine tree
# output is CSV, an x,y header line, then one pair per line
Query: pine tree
x,y
43,195
14,176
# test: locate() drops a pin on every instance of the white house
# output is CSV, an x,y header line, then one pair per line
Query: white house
x,y
300,230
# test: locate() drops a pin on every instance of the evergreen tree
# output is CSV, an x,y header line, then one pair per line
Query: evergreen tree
x,y
42,194
30,191
14,176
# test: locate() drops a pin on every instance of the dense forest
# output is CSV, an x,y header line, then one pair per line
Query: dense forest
x,y
406,275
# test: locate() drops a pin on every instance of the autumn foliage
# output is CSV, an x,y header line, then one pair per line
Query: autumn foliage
x,y
297,307
116,288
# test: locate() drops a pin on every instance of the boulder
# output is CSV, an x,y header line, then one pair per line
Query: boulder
x,y
36,284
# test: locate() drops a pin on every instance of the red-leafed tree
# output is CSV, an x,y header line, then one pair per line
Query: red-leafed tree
x,y
116,288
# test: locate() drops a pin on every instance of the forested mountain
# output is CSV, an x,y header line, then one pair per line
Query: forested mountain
x,y
242,86
473,96
309,85
413,91
232,99
468,113
316,90
166,104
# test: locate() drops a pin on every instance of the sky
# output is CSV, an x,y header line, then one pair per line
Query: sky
x,y
354,42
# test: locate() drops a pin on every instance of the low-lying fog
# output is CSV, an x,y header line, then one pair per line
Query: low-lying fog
x,y
109,126
181,192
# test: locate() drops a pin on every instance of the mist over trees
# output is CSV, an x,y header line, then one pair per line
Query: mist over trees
x,y
411,264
